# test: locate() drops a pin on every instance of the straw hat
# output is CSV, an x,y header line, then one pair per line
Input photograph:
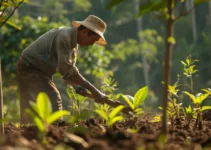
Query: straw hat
x,y
95,24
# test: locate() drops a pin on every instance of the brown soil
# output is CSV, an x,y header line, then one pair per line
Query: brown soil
x,y
96,136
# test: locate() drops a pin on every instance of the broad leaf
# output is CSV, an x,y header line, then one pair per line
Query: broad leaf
x,y
191,96
56,115
197,2
115,119
102,114
140,96
37,120
201,98
205,108
44,105
128,101
151,6
115,111
139,111
112,3
34,107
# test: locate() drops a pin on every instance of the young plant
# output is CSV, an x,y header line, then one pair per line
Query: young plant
x,y
137,100
189,114
189,70
111,117
42,114
174,107
197,105
109,87
77,100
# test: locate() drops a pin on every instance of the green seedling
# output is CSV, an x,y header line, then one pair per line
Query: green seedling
x,y
111,117
77,101
138,99
189,114
189,70
109,87
42,114
197,105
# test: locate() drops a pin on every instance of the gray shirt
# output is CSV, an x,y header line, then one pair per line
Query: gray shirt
x,y
54,51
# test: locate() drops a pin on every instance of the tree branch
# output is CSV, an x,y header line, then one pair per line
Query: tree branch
x,y
11,14
184,14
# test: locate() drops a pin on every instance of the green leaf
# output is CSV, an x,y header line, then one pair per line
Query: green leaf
x,y
56,115
197,2
115,111
34,107
102,114
115,119
128,101
13,25
140,96
139,111
112,3
44,105
191,96
151,6
40,125
201,98
205,108
171,40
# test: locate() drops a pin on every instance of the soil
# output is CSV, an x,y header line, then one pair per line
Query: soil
x,y
93,134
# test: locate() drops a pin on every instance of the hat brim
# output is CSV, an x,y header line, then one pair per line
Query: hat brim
x,y
101,41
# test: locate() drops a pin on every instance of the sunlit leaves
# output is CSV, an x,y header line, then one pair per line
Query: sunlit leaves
x,y
138,99
151,6
171,40
113,3
111,117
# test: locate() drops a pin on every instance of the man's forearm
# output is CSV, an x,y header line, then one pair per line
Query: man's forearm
x,y
80,80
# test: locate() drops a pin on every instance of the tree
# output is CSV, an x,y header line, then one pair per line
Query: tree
x,y
165,9
7,9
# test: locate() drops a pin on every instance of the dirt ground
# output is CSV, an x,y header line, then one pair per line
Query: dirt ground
x,y
92,134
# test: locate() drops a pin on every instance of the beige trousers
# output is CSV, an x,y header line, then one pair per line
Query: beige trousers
x,y
31,81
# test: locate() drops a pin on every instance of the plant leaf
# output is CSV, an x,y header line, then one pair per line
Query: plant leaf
x,y
34,107
197,2
128,101
151,6
191,96
205,108
115,111
37,120
44,105
115,119
56,115
112,3
102,114
140,96
201,98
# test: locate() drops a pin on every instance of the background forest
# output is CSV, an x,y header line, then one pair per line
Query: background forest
x,y
134,54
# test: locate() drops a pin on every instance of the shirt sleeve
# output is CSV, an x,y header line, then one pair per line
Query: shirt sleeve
x,y
66,57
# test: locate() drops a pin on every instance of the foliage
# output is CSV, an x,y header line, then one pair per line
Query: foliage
x,y
42,114
194,110
7,9
111,117
79,108
139,98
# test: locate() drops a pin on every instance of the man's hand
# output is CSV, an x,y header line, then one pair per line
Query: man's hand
x,y
80,90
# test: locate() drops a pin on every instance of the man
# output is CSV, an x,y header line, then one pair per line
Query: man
x,y
54,51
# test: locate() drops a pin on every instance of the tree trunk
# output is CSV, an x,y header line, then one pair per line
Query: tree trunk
x,y
193,19
143,59
1,105
209,10
167,62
